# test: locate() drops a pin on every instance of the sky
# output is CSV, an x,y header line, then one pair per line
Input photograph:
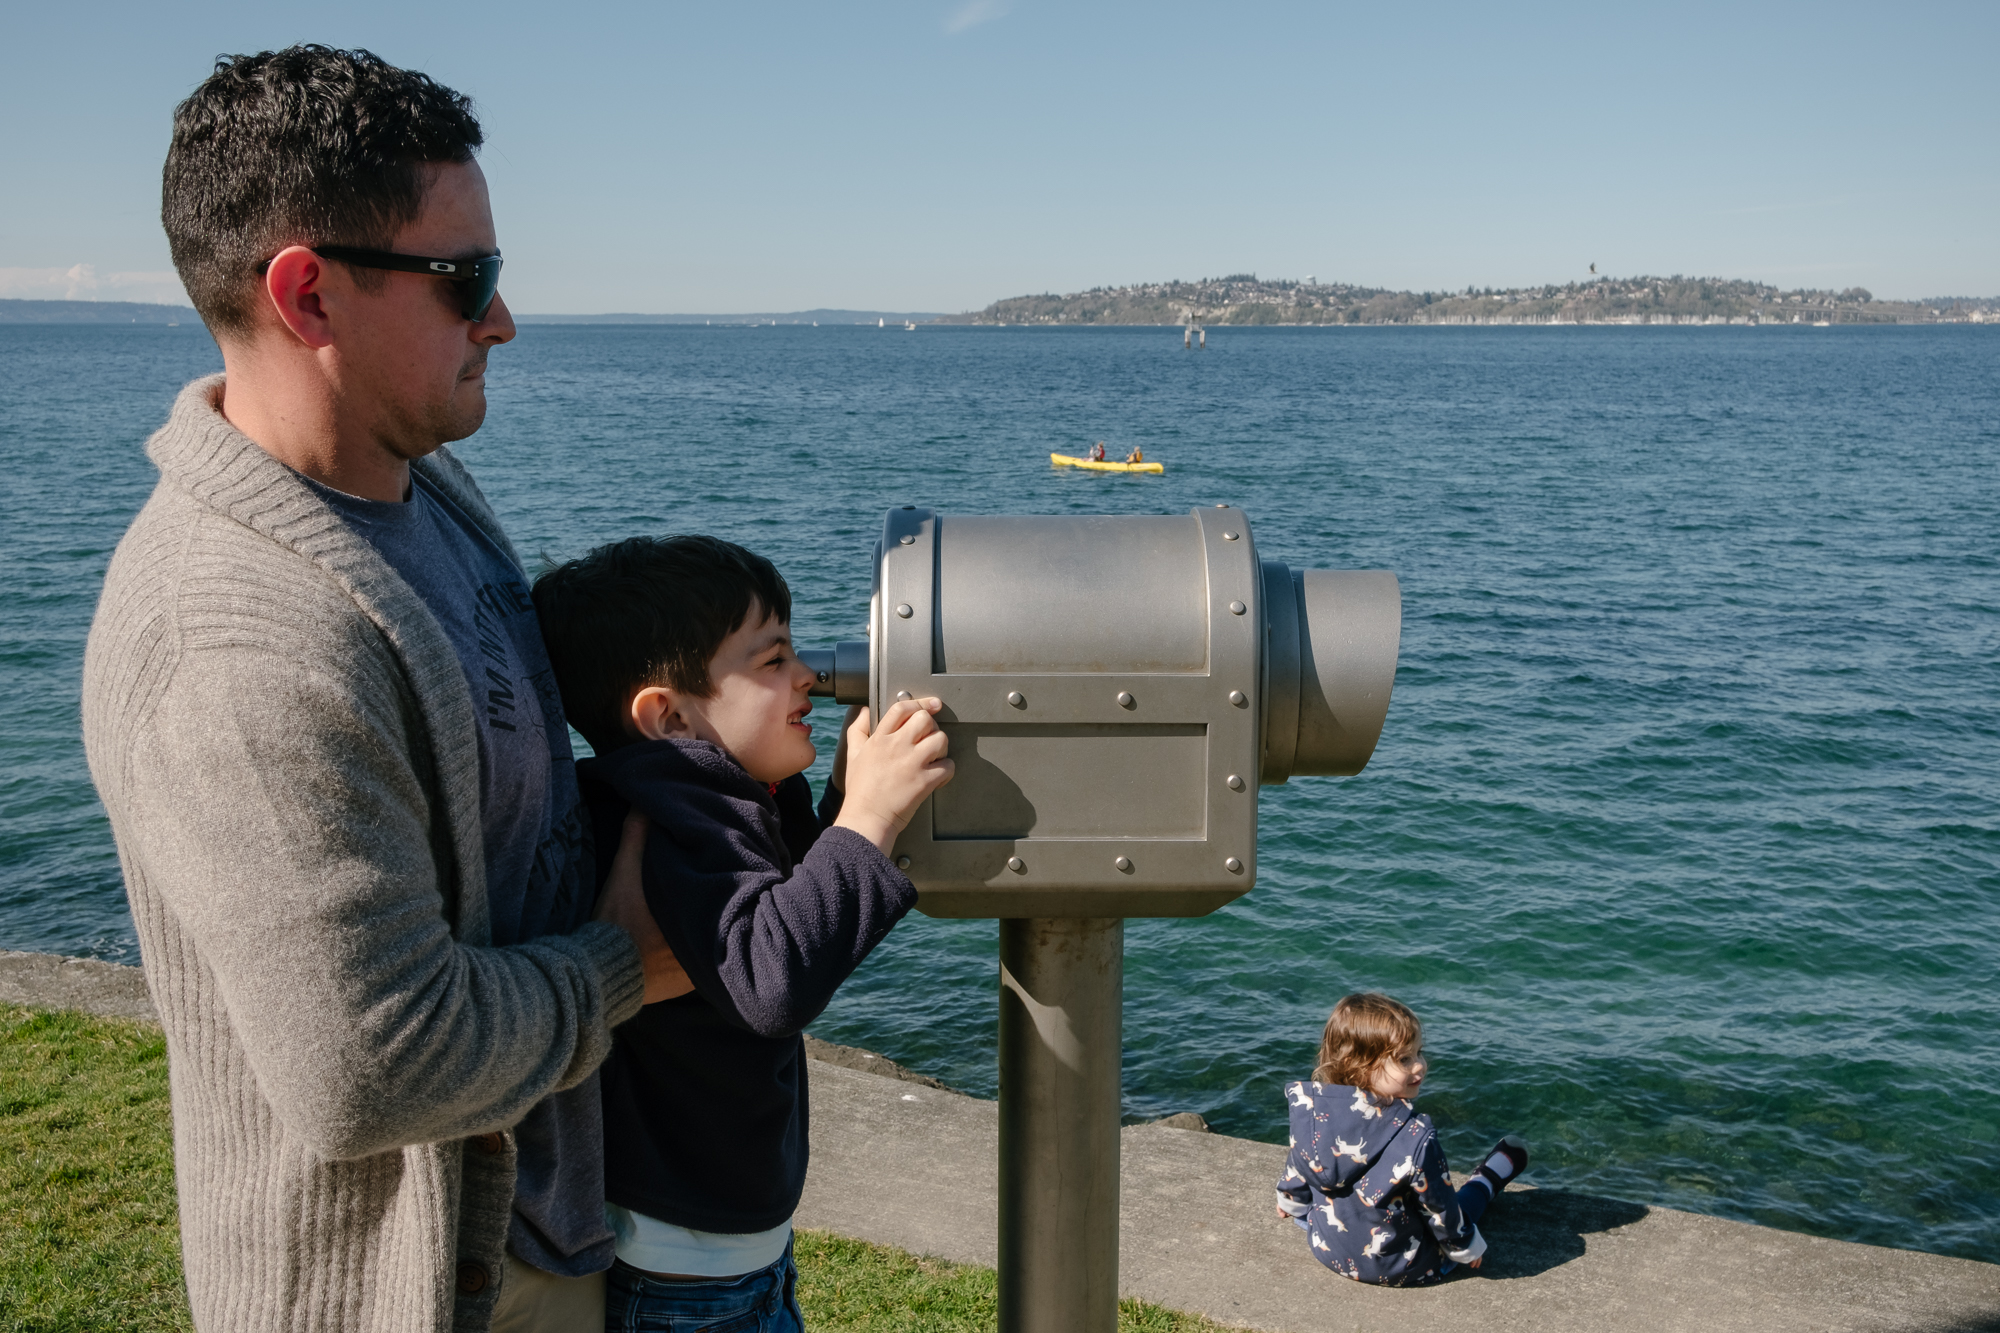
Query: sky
x,y
938,155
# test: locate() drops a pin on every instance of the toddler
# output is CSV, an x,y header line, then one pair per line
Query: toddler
x,y
1366,1178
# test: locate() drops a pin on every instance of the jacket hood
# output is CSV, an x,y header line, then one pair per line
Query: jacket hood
x,y
1352,1129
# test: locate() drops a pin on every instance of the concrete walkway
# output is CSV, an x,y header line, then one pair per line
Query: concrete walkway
x,y
914,1167
899,1159
51,981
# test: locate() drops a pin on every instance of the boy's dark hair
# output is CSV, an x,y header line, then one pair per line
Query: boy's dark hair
x,y
304,146
646,611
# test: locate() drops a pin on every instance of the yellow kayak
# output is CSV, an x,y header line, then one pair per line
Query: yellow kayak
x,y
1065,460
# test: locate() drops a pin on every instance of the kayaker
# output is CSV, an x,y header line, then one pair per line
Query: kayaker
x,y
1097,452
1135,456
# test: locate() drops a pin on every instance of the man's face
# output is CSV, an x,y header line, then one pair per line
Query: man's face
x,y
412,367
758,700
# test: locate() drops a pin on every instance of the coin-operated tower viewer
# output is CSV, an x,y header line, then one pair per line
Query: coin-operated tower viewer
x,y
1115,690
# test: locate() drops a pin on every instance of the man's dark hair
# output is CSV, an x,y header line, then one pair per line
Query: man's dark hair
x,y
646,611
304,146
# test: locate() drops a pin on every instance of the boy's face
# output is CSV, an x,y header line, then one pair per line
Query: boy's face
x,y
757,705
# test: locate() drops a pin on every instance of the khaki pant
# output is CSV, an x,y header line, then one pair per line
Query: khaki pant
x,y
532,1301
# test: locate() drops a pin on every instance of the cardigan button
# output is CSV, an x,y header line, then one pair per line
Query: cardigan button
x,y
471,1279
492,1144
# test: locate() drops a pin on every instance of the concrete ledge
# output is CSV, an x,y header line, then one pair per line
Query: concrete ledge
x,y
900,1159
51,981
915,1168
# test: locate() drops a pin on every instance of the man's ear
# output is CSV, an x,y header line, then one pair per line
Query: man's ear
x,y
661,712
292,286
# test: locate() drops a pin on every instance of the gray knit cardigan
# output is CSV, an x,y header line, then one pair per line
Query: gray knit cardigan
x,y
284,741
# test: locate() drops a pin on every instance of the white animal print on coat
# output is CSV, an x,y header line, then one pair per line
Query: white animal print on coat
x,y
1404,1168
1378,1241
1364,1105
1332,1219
1358,1150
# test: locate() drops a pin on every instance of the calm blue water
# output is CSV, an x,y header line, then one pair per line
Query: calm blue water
x,y
1684,833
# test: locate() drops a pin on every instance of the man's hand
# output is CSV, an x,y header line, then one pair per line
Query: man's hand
x,y
892,768
623,903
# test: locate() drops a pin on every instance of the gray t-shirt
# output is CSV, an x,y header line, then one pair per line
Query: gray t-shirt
x,y
539,878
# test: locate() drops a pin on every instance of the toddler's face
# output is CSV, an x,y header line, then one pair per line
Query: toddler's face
x,y
1400,1075
758,705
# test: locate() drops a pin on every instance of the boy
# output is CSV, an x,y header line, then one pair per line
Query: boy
x,y
675,661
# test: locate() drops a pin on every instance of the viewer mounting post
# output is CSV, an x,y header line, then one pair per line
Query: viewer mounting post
x,y
1109,735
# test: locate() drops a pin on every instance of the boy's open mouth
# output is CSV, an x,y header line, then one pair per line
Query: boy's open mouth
x,y
798,720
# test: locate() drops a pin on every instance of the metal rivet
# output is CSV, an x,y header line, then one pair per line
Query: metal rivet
x,y
902,695
1222,506
903,610
902,863
906,540
1124,863
1232,865
1237,608
824,676
1016,864
1016,698
1229,536
1236,697
1125,699
1235,782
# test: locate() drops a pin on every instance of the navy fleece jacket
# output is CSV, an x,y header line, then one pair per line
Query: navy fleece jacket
x,y
1367,1179
705,1110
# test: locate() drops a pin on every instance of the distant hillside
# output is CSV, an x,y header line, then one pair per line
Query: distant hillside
x,y
788,317
1246,299
93,312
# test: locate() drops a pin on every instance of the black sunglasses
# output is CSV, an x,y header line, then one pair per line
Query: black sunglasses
x,y
478,279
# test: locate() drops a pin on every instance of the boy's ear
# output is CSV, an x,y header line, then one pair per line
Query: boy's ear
x,y
660,712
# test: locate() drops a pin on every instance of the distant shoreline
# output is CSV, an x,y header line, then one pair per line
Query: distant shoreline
x,y
1243,303
22,311
1246,299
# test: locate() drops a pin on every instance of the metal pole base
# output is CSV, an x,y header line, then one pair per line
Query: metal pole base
x,y
1061,1031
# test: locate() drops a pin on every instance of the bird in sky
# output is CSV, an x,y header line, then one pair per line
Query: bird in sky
x,y
1593,268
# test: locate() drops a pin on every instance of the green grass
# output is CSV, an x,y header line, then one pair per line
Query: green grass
x,y
87,1235
852,1285
87,1229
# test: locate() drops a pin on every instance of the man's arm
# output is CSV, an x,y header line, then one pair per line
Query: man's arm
x,y
622,902
277,809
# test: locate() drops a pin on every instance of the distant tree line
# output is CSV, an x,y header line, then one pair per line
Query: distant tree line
x,y
1244,298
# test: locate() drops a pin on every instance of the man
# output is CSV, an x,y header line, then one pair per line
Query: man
x,y
320,716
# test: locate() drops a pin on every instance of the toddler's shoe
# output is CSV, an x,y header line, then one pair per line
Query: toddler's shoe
x,y
1505,1163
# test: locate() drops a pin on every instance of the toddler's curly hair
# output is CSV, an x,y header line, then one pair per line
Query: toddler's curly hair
x,y
1365,1029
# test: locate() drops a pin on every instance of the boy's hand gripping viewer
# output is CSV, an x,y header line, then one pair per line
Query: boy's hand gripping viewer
x,y
1115,690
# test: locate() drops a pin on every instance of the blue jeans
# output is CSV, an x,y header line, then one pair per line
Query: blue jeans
x,y
765,1301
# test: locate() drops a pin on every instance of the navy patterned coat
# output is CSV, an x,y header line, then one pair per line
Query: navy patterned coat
x,y
1367,1180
